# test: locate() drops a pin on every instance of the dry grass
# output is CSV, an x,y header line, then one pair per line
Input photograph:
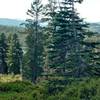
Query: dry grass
x,y
10,78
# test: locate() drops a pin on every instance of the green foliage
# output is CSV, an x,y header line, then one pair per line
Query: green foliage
x,y
62,47
16,91
65,35
85,90
78,89
13,29
34,53
91,54
14,54
9,87
3,51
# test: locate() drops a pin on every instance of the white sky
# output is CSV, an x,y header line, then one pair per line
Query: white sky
x,y
16,9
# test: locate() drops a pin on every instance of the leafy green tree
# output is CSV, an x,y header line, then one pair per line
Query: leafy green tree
x,y
3,50
14,55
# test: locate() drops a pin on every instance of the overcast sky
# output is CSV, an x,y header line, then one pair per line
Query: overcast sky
x,y
16,9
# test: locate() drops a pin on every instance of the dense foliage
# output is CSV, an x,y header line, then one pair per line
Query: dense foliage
x,y
10,54
3,55
60,47
35,48
71,89
61,58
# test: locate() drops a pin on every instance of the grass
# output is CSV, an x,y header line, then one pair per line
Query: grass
x,y
10,78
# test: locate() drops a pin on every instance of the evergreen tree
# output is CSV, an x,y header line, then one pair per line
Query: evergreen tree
x,y
14,54
92,54
3,50
66,31
76,34
34,41
50,13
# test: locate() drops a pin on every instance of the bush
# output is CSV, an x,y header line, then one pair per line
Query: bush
x,y
81,89
15,86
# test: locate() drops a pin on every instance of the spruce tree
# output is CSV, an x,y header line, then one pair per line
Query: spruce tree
x,y
14,55
76,34
92,54
66,31
3,50
50,13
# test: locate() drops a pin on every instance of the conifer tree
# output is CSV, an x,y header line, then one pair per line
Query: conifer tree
x,y
3,50
14,54
92,54
67,33
50,13
34,40
76,34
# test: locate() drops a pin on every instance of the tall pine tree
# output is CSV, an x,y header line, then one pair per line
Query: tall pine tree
x,y
34,41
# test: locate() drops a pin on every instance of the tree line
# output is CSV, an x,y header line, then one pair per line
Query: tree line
x,y
57,43
61,45
10,54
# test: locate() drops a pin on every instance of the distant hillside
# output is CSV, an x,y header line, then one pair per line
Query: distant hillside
x,y
10,22
14,29
13,22
13,26
10,29
95,27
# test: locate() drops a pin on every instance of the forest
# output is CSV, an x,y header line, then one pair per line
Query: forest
x,y
54,55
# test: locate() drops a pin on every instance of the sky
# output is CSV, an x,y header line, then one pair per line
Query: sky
x,y
16,9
